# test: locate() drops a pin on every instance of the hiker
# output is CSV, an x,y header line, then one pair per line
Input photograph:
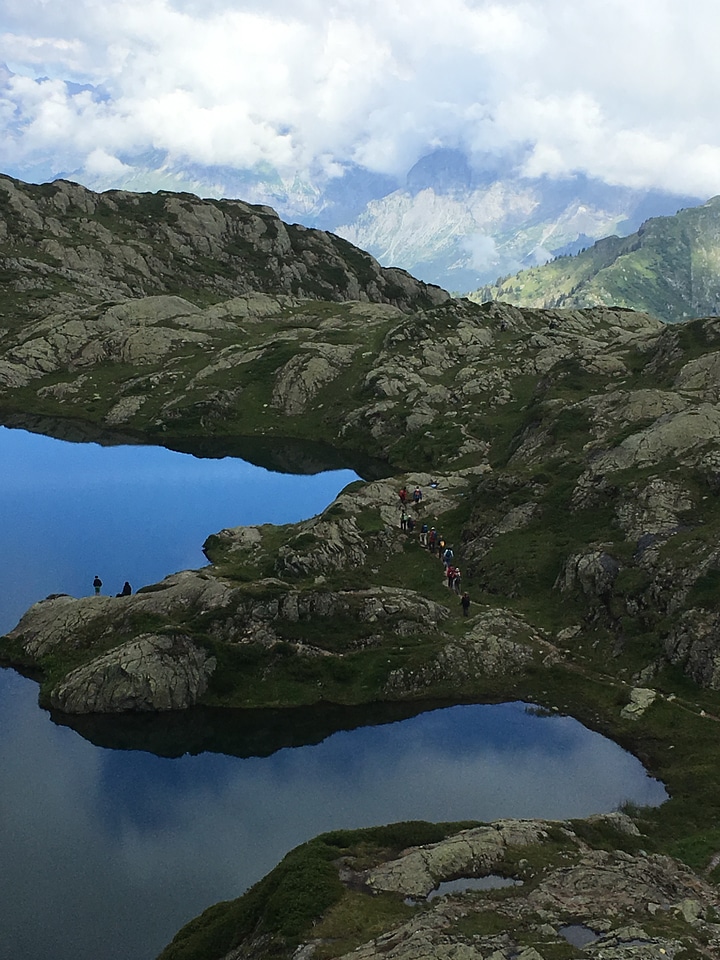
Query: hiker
x,y
410,524
432,539
465,603
456,579
403,520
126,590
447,556
417,495
423,535
449,575
403,495
97,583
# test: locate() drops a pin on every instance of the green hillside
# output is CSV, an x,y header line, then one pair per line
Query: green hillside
x,y
670,268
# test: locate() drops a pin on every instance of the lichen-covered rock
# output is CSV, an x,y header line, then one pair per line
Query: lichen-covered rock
x,y
302,377
148,673
594,573
498,643
641,698
653,509
694,644
468,854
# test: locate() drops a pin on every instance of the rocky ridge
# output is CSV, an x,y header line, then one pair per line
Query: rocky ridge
x,y
63,245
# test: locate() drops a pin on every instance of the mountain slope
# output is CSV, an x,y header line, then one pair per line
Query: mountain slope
x,y
62,245
669,268
451,225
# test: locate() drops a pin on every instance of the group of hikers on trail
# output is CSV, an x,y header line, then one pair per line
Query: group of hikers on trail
x,y
433,541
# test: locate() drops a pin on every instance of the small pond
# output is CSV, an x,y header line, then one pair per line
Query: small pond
x,y
107,852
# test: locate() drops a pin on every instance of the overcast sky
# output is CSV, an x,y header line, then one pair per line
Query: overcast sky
x,y
626,91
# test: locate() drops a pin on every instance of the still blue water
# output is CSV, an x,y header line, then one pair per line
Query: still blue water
x,y
106,853
71,510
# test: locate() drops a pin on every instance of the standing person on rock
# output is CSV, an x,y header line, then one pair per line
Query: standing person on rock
x,y
97,583
402,493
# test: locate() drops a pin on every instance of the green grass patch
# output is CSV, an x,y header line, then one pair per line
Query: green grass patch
x,y
357,918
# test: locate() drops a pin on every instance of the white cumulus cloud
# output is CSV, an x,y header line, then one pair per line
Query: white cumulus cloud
x,y
623,92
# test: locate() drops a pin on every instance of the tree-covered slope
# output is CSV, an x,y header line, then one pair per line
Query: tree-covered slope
x,y
670,268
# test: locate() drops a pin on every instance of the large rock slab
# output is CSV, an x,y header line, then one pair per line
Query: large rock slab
x,y
150,672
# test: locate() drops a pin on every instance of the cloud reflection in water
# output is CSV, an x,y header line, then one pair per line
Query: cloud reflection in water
x,y
107,853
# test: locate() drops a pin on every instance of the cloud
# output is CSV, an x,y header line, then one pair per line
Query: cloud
x,y
624,92
482,250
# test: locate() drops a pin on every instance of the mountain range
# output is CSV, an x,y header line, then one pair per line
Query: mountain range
x,y
447,221
451,219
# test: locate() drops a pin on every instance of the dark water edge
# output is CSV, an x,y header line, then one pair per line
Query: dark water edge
x,y
278,454
235,732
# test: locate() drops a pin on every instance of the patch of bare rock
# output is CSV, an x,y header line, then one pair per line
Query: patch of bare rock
x,y
627,905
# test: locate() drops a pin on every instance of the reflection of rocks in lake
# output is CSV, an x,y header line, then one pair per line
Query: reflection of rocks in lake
x,y
278,454
72,431
237,733
284,455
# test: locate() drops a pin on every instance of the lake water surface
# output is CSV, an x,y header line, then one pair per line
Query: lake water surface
x,y
106,853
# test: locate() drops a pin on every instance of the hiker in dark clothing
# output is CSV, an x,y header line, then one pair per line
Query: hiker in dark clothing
x,y
97,583
465,603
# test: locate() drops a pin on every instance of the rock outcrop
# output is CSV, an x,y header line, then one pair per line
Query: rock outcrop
x,y
548,883
148,673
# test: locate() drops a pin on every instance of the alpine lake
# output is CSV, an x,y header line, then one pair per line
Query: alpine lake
x,y
117,832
